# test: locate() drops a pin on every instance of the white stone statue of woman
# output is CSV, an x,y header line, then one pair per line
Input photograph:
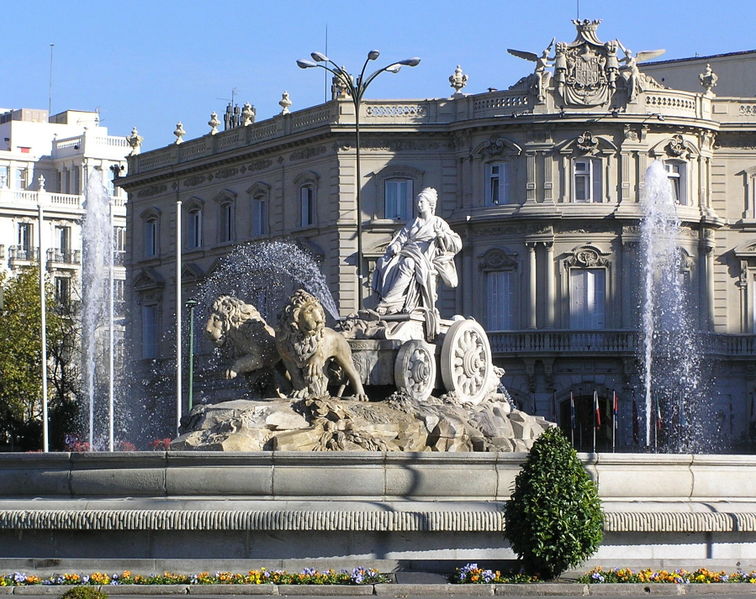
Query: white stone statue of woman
x,y
422,251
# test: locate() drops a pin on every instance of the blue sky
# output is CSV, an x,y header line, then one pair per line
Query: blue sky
x,y
151,64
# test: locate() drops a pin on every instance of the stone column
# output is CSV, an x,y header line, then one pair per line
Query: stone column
x,y
532,303
550,285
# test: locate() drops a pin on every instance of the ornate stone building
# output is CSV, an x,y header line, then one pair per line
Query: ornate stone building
x,y
543,182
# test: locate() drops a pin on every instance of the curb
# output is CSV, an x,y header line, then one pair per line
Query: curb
x,y
404,590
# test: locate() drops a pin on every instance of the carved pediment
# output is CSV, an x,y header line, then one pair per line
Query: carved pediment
x,y
148,279
498,259
498,146
192,273
586,257
746,250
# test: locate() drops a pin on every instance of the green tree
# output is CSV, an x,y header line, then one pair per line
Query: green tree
x,y
21,364
554,519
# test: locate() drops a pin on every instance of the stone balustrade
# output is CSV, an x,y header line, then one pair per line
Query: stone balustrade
x,y
604,342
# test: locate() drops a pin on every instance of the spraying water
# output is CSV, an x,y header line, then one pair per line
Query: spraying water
x,y
670,355
265,274
97,263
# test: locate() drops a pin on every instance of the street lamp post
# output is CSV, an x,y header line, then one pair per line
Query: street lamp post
x,y
356,88
191,304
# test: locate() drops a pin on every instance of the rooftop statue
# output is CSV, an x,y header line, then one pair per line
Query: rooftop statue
x,y
541,76
420,253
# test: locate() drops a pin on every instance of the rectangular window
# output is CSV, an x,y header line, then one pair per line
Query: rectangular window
x,y
587,298
195,229
25,240
500,300
150,238
497,184
119,297
226,232
76,180
397,198
62,291
676,177
307,205
259,216
63,239
22,178
586,180
4,170
119,239
149,332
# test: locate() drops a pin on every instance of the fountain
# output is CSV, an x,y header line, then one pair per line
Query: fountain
x,y
674,383
385,503
97,306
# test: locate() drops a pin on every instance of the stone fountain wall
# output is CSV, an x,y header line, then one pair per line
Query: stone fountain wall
x,y
189,510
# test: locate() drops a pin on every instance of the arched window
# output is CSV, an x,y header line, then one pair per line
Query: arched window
x,y
194,225
259,195
226,216
151,233
307,205
307,192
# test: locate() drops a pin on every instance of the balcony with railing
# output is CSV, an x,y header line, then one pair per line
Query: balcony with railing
x,y
57,258
21,255
616,343
24,198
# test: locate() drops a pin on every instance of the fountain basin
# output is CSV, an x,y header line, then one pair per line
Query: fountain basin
x,y
388,510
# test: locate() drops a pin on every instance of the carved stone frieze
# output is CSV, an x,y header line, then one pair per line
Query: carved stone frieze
x,y
227,172
306,153
152,190
397,145
194,180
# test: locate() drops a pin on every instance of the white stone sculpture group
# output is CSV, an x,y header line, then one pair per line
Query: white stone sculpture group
x,y
402,344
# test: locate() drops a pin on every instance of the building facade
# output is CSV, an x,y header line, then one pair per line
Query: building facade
x,y
45,162
543,181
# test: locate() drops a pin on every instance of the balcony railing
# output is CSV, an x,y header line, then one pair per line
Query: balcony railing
x,y
617,343
20,253
68,257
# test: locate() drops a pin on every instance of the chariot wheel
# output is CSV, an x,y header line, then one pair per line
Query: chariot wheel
x,y
415,369
466,361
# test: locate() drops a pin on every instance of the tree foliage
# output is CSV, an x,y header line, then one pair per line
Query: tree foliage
x,y
21,364
554,519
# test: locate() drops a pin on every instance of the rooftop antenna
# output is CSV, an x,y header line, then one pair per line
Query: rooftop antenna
x,y
234,91
49,86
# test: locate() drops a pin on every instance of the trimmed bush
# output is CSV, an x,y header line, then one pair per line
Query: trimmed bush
x,y
553,519
84,592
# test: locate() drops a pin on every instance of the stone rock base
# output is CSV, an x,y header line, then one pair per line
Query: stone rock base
x,y
331,424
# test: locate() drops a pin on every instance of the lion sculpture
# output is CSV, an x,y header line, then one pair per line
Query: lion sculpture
x,y
242,328
307,348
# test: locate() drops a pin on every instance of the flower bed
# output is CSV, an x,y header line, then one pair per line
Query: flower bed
x,y
471,574
702,575
261,576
